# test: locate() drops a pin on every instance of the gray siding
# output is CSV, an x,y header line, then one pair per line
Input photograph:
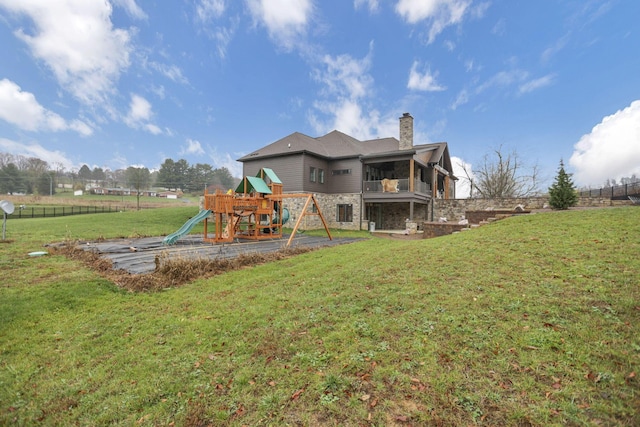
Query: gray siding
x,y
350,183
294,172
309,161
288,168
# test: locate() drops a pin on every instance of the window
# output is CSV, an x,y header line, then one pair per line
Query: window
x,y
321,176
312,174
345,213
341,172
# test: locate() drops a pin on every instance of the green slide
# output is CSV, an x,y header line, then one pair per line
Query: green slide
x,y
186,228
285,217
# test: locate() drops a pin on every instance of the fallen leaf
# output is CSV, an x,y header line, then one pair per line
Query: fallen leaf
x,y
297,394
272,383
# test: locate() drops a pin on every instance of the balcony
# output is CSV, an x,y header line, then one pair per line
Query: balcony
x,y
395,186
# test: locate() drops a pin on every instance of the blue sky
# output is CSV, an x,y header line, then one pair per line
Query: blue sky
x,y
132,82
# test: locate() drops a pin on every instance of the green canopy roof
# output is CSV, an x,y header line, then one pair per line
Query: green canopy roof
x,y
253,183
270,174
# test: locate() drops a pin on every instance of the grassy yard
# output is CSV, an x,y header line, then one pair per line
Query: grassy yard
x,y
529,321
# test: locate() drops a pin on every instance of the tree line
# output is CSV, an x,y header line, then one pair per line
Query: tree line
x,y
31,175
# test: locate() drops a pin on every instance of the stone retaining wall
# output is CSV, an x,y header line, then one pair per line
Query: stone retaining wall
x,y
437,229
476,217
454,209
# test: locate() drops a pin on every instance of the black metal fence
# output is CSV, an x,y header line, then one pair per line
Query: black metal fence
x,y
53,211
617,192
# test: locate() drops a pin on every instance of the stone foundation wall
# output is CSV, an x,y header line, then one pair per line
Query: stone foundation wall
x,y
454,209
328,206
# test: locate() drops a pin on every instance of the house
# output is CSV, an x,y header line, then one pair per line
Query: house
x,y
384,181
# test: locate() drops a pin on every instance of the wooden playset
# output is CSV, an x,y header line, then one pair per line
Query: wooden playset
x,y
254,210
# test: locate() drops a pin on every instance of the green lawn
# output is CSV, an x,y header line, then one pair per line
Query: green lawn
x,y
532,320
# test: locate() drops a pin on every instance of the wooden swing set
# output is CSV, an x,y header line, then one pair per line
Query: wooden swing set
x,y
255,210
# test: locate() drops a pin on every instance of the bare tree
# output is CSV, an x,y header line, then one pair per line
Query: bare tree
x,y
138,178
502,175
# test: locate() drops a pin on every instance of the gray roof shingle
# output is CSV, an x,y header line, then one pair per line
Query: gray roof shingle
x,y
336,144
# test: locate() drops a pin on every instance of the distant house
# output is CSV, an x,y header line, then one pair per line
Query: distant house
x,y
383,180
122,192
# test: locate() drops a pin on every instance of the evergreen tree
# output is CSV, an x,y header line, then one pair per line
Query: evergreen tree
x,y
562,194
46,184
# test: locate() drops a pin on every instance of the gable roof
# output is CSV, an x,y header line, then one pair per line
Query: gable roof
x,y
333,145
269,173
253,183
337,145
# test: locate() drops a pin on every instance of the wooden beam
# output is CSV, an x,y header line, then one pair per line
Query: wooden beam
x,y
412,179
310,197
446,187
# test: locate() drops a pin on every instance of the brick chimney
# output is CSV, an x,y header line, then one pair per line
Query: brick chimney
x,y
406,132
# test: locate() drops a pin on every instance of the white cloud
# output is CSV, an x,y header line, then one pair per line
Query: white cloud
x,y
554,49
210,14
372,5
449,45
152,129
346,86
23,110
286,20
223,36
220,160
423,81
140,115
35,150
81,127
210,9
77,41
139,109
461,99
192,147
463,185
132,8
172,72
346,75
439,13
611,150
536,84
500,28
503,79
